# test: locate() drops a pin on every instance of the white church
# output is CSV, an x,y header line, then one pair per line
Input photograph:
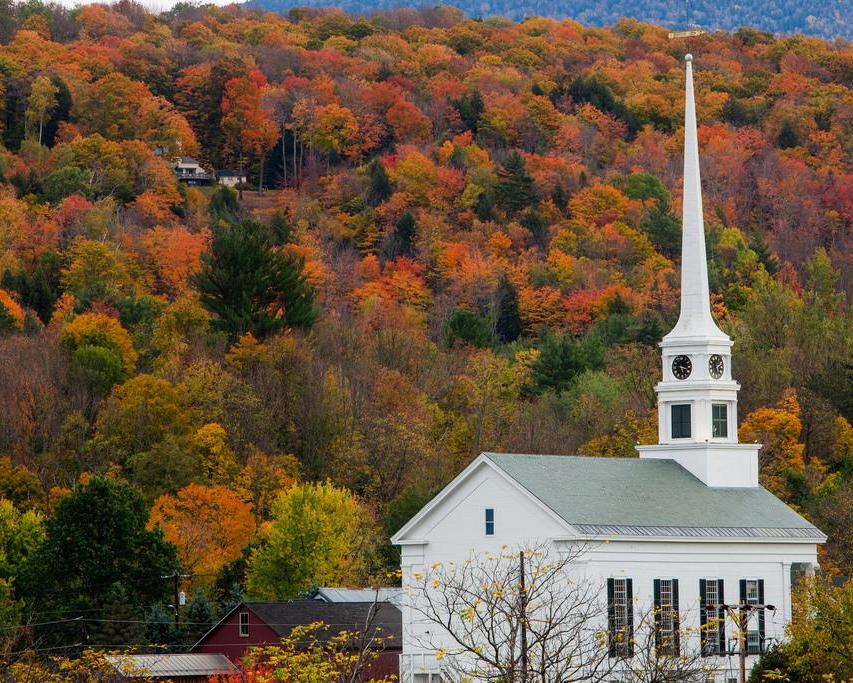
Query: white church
x,y
684,527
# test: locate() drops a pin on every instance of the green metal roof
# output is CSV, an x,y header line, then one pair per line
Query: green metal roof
x,y
639,497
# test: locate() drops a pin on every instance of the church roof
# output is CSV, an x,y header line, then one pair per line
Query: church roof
x,y
637,497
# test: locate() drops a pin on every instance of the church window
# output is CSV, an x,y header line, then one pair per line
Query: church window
x,y
720,420
666,616
712,616
681,421
490,522
752,593
620,617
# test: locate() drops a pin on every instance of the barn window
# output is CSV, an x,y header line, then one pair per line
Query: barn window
x,y
244,624
490,522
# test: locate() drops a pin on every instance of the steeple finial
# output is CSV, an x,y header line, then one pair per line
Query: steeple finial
x,y
695,320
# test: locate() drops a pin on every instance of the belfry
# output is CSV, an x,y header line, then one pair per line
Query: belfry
x,y
697,397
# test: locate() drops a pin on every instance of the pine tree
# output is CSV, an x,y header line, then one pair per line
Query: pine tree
x,y
506,316
198,617
402,242
160,627
515,191
252,286
380,184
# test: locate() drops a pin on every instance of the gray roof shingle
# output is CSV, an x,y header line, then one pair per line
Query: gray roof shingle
x,y
281,617
645,497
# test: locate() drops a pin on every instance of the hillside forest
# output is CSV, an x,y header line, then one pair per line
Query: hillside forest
x,y
829,19
456,236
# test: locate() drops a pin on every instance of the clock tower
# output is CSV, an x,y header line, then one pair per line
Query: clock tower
x,y
697,397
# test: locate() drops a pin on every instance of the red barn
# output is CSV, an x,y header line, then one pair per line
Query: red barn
x,y
252,624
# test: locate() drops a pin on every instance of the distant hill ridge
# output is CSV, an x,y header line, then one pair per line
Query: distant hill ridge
x,y
823,18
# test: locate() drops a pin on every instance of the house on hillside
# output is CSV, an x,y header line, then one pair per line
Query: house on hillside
x,y
254,624
231,177
191,172
180,668
684,532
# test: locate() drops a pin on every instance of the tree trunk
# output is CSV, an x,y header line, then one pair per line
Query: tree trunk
x,y
240,176
261,175
283,158
295,172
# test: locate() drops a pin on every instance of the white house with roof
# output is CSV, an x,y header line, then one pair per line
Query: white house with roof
x,y
684,527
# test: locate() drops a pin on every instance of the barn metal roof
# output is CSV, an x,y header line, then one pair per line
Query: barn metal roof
x,y
171,665
650,498
337,594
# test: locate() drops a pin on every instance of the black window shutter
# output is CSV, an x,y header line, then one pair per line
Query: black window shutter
x,y
629,593
676,620
743,591
721,616
703,617
611,618
761,615
657,614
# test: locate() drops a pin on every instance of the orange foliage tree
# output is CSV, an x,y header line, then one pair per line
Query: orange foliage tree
x,y
248,126
210,526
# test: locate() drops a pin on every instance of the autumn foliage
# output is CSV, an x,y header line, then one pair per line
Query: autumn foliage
x,y
465,237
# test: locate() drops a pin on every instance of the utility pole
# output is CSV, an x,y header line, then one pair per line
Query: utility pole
x,y
523,619
179,598
740,615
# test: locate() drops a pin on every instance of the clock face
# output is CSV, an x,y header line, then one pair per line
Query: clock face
x,y
716,366
681,367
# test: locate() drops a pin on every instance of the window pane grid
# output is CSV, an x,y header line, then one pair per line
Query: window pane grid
x,y
681,421
713,632
719,420
753,637
620,614
490,522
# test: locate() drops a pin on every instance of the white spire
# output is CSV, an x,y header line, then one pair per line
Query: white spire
x,y
695,320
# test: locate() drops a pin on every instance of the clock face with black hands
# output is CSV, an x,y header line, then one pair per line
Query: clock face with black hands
x,y
716,366
681,367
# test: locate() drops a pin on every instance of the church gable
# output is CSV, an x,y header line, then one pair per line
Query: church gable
x,y
483,503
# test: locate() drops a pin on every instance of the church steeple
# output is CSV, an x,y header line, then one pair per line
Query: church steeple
x,y
695,320
697,397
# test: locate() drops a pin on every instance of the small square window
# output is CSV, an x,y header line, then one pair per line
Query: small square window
x,y
720,420
244,624
490,522
681,421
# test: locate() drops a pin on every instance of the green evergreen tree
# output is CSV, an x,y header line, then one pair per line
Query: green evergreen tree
x,y
403,240
252,286
198,618
467,326
380,187
506,316
664,231
118,623
562,358
224,203
8,324
38,291
515,191
470,107
788,136
160,628
97,550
